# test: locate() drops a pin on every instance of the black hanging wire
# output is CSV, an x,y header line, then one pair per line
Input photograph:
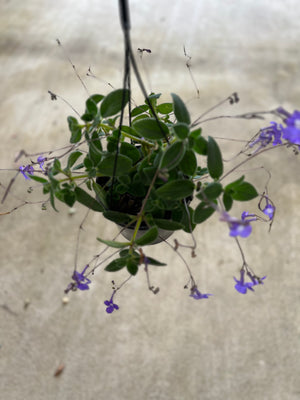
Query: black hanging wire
x,y
129,61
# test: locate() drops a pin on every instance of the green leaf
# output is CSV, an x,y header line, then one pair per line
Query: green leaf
x,y
38,179
233,185
227,200
73,157
91,107
130,253
139,110
188,164
150,129
97,98
200,145
113,243
84,198
196,133
181,130
116,264
66,196
152,261
214,159
52,202
211,191
117,217
130,151
168,224
202,213
149,237
173,155
187,220
100,194
56,166
175,190
165,108
75,130
180,110
94,153
123,166
244,192
132,266
114,102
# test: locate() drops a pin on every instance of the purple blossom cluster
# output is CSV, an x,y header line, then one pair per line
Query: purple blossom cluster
x,y
275,133
241,286
29,170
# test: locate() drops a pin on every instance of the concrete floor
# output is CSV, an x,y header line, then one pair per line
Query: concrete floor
x,y
164,347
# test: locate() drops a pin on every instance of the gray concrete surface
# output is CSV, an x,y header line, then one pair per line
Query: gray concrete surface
x,y
164,347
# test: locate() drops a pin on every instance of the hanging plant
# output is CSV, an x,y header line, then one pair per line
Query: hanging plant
x,y
153,175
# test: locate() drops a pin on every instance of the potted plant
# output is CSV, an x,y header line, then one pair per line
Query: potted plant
x,y
152,171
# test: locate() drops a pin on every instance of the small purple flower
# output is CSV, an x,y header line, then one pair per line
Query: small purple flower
x,y
81,281
41,160
111,306
241,286
28,169
197,295
292,130
239,227
269,210
267,135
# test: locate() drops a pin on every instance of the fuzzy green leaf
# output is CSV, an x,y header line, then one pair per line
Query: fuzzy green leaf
x,y
180,110
214,159
181,130
37,178
188,164
113,243
130,151
244,192
173,155
167,224
84,198
73,157
202,213
150,129
175,190
114,102
149,237
106,166
116,264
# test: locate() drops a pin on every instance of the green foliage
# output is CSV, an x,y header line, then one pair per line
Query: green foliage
x,y
87,200
214,159
149,169
180,110
175,190
114,102
150,129
148,237
173,155
240,190
75,130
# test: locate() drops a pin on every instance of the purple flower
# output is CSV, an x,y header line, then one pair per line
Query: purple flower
x,y
269,210
241,286
81,281
292,130
41,160
267,135
196,294
111,306
239,227
28,169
